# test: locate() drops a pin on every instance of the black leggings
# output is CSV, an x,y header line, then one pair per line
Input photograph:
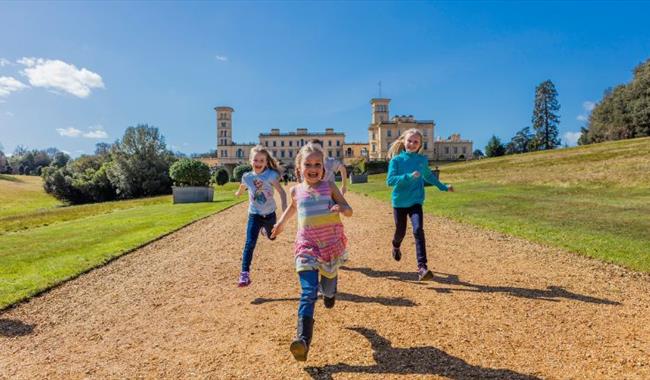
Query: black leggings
x,y
417,221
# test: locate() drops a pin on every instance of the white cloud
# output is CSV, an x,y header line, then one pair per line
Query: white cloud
x,y
9,85
571,138
221,58
588,105
60,75
96,132
69,132
582,118
10,114
4,62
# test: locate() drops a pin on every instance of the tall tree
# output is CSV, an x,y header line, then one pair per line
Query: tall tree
x,y
141,163
545,117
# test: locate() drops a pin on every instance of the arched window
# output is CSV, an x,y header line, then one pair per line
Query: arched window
x,y
349,153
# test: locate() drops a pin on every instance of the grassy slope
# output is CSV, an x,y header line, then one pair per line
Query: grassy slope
x,y
20,194
40,249
594,200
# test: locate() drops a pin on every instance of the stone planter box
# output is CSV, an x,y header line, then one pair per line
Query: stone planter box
x,y
358,178
192,194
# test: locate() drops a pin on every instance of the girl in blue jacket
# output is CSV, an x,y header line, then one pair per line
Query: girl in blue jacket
x,y
407,171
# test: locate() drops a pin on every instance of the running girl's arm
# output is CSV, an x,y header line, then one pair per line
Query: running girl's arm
x,y
344,177
288,213
341,205
393,178
241,188
429,177
283,194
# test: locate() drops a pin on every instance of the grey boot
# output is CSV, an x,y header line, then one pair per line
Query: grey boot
x,y
300,345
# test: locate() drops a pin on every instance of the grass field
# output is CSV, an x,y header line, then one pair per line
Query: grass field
x,y
46,245
593,200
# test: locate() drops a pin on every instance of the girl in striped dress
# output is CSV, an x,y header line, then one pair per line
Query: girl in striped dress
x,y
321,246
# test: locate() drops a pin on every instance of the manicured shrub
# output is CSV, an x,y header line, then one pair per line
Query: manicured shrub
x,y
187,172
239,171
221,177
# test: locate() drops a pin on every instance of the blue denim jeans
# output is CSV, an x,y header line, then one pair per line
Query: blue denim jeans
x,y
310,285
415,213
255,223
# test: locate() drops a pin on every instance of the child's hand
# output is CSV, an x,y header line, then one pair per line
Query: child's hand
x,y
450,188
237,193
277,230
335,208
415,174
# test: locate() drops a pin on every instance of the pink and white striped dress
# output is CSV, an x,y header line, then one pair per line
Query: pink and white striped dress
x,y
320,240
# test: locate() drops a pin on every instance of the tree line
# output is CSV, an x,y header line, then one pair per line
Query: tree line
x,y
135,166
623,112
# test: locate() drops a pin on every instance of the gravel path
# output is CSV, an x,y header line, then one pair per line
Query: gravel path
x,y
498,307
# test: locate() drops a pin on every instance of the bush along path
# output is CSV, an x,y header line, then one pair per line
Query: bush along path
x,y
497,307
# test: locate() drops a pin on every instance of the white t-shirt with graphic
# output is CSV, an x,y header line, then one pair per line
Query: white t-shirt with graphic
x,y
260,191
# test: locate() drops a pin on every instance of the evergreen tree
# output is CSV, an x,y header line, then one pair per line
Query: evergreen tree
x,y
494,147
545,117
521,142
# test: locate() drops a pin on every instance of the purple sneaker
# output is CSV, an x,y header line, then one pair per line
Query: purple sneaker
x,y
244,279
424,274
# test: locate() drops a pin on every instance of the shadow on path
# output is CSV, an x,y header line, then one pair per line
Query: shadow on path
x,y
414,361
13,327
551,293
386,301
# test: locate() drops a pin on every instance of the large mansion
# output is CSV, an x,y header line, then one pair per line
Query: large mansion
x,y
382,131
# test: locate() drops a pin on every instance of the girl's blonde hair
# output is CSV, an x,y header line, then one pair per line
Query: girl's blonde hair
x,y
305,151
271,162
399,145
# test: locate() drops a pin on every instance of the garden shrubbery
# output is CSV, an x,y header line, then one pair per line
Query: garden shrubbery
x,y
187,172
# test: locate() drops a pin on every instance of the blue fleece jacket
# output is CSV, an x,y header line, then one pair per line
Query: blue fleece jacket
x,y
408,191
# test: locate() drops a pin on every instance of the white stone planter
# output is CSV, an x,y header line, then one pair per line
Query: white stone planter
x,y
192,194
360,178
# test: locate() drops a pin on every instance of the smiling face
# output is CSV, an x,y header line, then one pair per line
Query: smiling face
x,y
259,162
311,167
412,142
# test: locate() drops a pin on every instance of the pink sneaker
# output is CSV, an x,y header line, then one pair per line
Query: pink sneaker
x,y
244,279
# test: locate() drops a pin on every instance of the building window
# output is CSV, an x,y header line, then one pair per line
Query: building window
x,y
338,143
282,143
266,143
329,153
464,150
425,133
399,132
389,133
290,153
275,153
302,142
455,150
425,146
290,143
374,148
446,150
223,124
240,153
282,153
329,143
338,153
349,153
274,143
373,135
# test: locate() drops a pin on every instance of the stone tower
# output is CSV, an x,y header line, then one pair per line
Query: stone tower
x,y
379,109
224,126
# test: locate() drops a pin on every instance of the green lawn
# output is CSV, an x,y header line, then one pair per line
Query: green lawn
x,y
43,248
21,193
605,215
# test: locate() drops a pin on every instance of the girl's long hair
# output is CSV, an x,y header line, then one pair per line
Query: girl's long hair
x,y
305,151
398,146
271,162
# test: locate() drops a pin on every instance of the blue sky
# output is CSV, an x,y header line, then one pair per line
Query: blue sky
x,y
74,74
